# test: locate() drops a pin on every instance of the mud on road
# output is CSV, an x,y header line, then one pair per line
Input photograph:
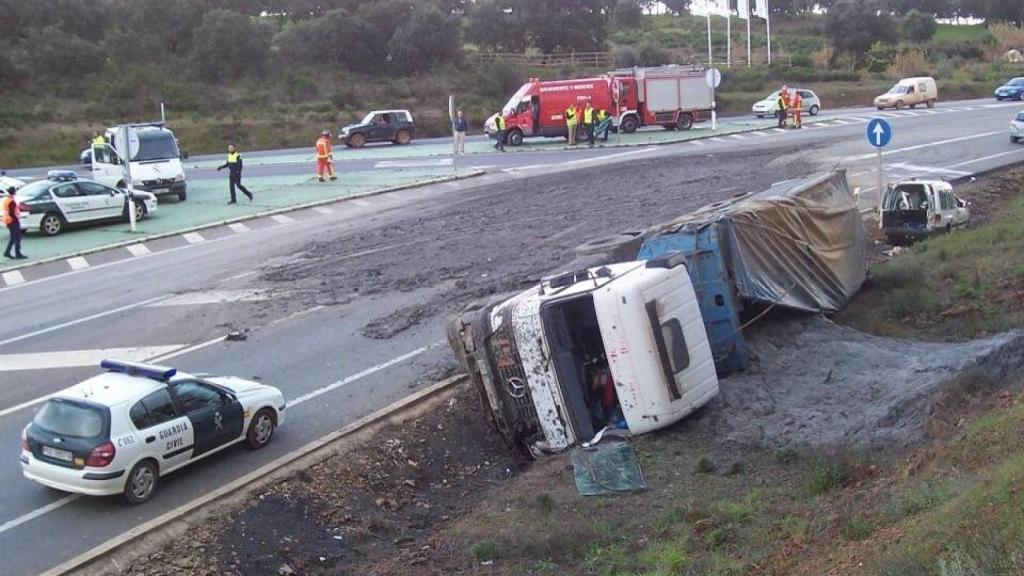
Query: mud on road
x,y
483,241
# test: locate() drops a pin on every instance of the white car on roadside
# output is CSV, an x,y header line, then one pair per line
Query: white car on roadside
x,y
915,208
769,106
119,432
62,200
1017,128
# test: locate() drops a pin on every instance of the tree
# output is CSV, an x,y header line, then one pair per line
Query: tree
x,y
918,27
677,6
337,37
428,38
56,53
627,14
854,25
569,25
163,27
497,26
228,45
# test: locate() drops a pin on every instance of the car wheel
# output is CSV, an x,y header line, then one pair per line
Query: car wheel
x,y
913,105
403,137
900,104
515,137
141,482
814,110
881,107
685,122
1013,139
356,140
182,196
261,429
629,124
931,103
51,224
140,210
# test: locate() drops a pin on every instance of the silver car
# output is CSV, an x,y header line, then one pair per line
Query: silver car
x,y
1017,128
768,106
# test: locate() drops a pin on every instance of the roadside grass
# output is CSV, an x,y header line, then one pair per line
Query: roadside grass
x,y
957,286
961,33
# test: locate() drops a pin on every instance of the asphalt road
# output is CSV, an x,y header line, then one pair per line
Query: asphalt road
x,y
307,334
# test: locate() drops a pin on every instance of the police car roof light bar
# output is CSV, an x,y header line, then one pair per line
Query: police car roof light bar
x,y
160,373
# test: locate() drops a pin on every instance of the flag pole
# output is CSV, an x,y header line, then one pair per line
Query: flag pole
x,y
728,39
749,18
710,60
768,28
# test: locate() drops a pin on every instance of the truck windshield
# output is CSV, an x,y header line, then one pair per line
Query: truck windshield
x,y
156,145
513,102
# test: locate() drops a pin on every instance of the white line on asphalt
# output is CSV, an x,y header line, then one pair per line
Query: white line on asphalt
x,y
926,145
238,276
78,358
738,137
212,297
38,512
886,114
697,143
363,203
928,169
911,113
79,321
763,134
13,278
360,375
193,237
783,130
413,163
238,227
282,219
716,139
840,122
323,210
139,249
990,157
78,263
600,159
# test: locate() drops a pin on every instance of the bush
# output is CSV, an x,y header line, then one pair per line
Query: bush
x,y
652,54
429,38
625,57
627,14
826,475
342,39
918,27
228,45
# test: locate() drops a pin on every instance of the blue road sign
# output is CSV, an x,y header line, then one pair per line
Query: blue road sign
x,y
879,133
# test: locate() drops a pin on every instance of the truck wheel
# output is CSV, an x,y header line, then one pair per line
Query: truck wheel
x,y
685,121
629,124
182,195
913,105
51,224
931,103
356,140
515,137
621,247
669,126
403,137
814,110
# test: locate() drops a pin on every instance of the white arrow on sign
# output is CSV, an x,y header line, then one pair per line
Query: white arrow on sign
x,y
879,132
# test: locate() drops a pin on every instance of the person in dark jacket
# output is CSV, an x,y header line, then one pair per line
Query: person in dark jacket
x,y
234,166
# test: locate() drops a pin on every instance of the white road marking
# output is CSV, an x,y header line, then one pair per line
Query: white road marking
x,y
138,249
912,113
606,157
928,169
79,321
716,139
782,130
193,237
38,512
697,143
282,219
413,163
926,145
78,263
239,228
841,122
361,202
13,278
78,358
990,157
323,209
738,137
212,297
763,134
360,375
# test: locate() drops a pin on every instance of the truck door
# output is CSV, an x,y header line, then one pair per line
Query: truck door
x,y
106,166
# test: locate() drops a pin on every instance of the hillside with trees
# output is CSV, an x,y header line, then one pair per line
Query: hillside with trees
x,y
269,73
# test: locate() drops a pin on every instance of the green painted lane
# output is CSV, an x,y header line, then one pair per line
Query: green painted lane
x,y
207,204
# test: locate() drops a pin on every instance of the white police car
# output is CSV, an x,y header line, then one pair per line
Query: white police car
x,y
64,200
122,430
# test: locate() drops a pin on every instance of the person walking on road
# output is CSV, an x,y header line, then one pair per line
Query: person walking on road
x,y
604,124
324,156
570,124
12,219
461,127
797,103
234,166
499,132
588,123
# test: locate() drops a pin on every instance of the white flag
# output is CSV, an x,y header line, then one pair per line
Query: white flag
x,y
761,9
719,7
743,8
699,7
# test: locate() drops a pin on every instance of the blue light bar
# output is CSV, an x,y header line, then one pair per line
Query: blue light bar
x,y
161,373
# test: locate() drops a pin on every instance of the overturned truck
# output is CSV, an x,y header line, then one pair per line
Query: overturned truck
x,y
639,344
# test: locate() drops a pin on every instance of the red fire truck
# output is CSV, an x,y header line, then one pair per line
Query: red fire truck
x,y
671,96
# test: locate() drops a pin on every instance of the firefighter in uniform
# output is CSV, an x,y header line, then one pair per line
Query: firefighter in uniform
x,y
570,124
324,156
499,132
234,166
797,103
12,214
588,123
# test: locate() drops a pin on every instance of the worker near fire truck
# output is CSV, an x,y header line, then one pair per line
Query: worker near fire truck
x,y
324,156
570,124
797,104
588,123
604,124
234,166
499,132
12,220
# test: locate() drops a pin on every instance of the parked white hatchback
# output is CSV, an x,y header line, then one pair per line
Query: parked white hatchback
x,y
769,106
1017,128
119,432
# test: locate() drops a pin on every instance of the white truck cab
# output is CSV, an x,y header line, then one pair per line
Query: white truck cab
x,y
917,208
620,346
153,157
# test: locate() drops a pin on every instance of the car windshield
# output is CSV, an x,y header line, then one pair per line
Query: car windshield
x,y
513,102
898,89
156,145
66,418
37,189
368,118
1016,82
772,96
1020,117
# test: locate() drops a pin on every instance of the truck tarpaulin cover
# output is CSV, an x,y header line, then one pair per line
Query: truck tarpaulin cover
x,y
800,244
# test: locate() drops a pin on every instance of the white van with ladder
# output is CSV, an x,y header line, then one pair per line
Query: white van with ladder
x,y
153,159
620,346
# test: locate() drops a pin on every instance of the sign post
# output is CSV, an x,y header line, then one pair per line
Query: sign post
x,y
713,77
127,142
879,134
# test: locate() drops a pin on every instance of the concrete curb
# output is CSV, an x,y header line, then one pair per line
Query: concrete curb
x,y
324,202
114,555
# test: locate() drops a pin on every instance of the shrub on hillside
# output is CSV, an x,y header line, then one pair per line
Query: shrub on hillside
x,y
228,45
627,14
652,54
428,38
625,57
854,25
338,37
918,26
58,54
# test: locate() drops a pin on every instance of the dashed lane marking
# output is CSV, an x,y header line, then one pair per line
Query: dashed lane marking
x,y
781,130
361,202
13,278
414,163
323,210
78,358
139,249
282,219
78,263
763,134
212,297
38,512
193,237
738,137
239,228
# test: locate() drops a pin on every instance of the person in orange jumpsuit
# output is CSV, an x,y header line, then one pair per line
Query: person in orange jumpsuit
x,y
324,157
798,104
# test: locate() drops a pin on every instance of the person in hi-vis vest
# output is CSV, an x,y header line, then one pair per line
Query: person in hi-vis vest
x,y
324,156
